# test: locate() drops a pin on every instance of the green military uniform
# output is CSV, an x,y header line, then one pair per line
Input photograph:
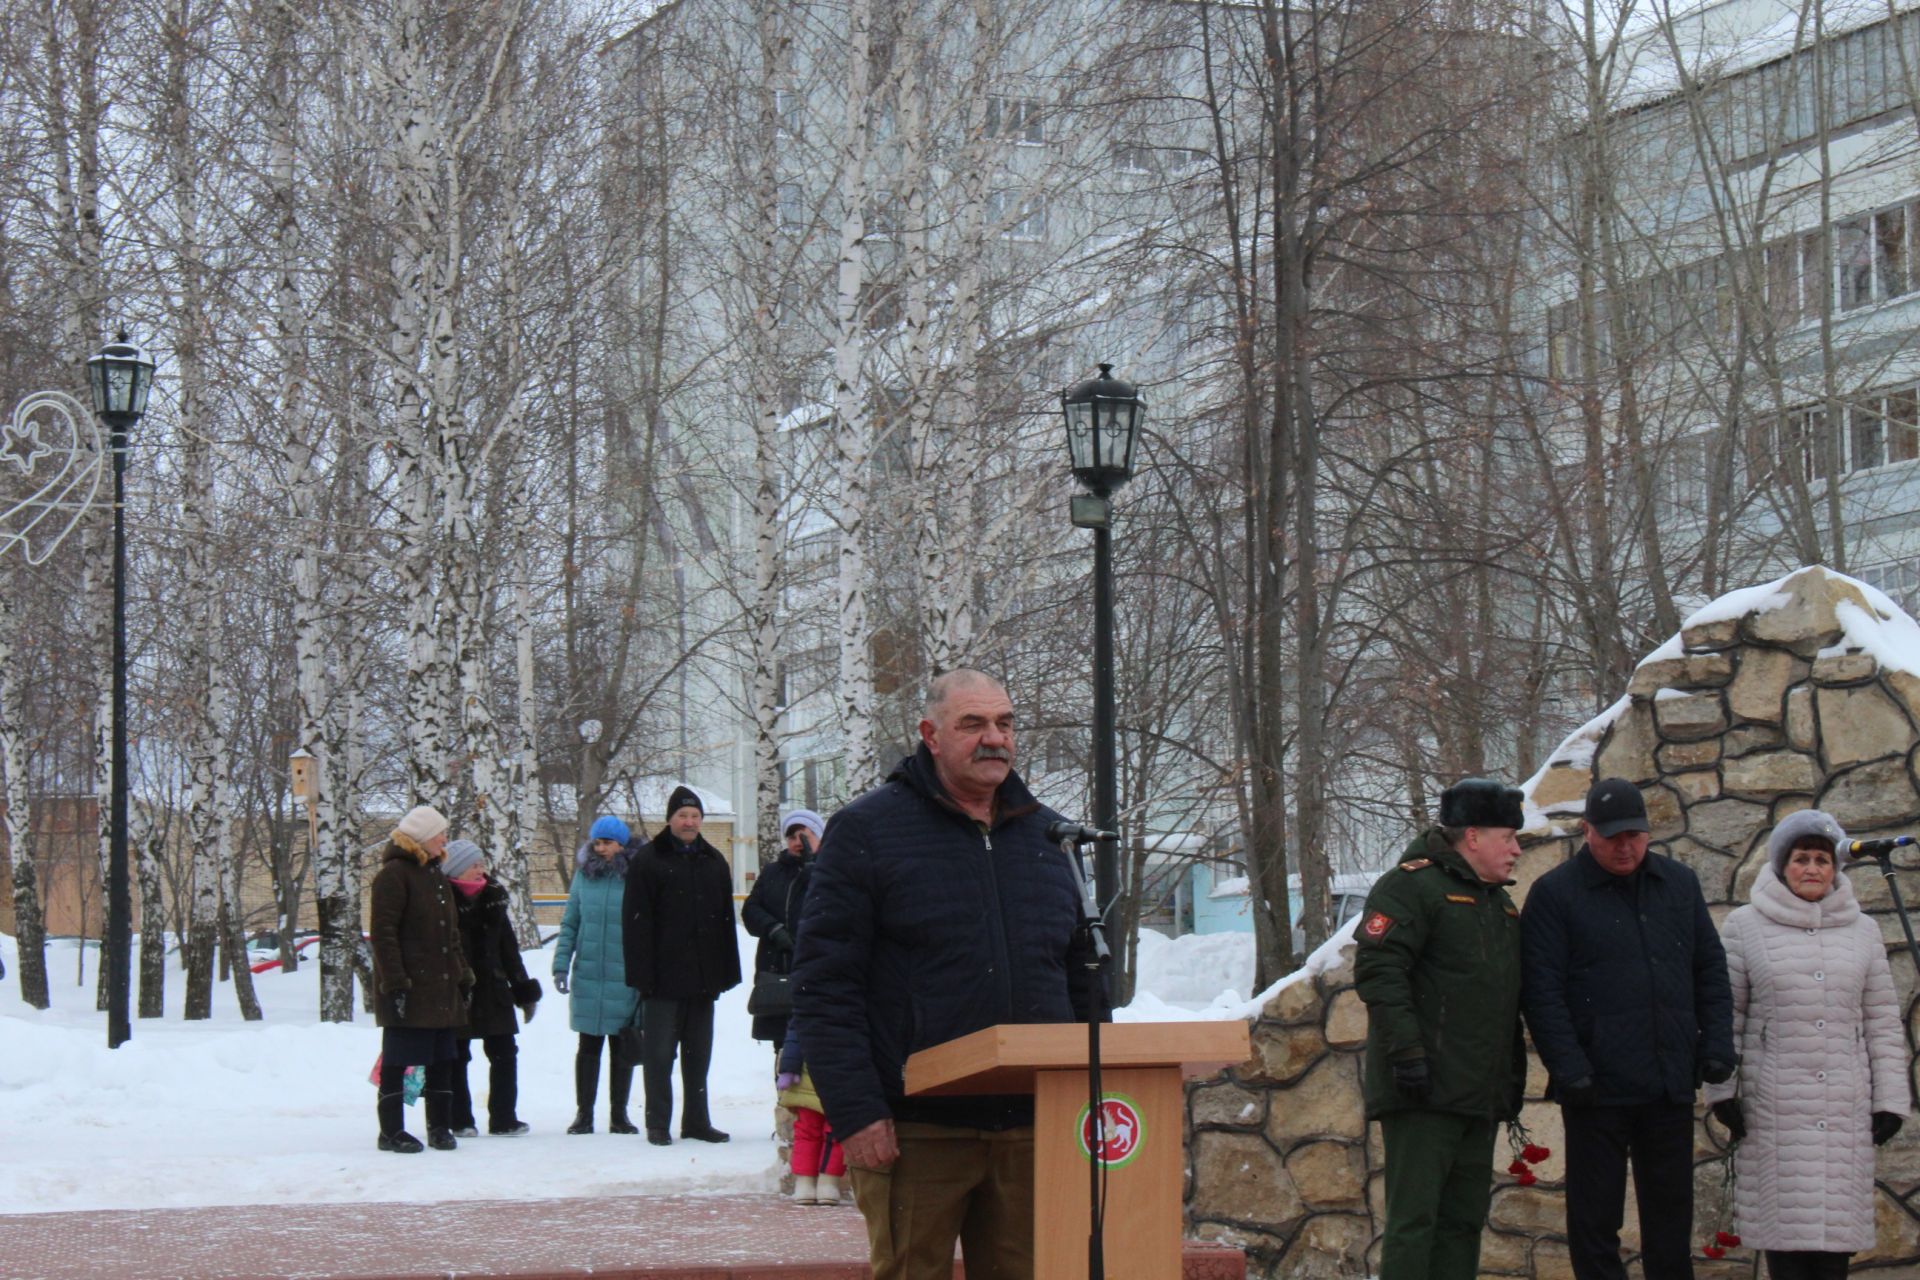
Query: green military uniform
x,y
1437,961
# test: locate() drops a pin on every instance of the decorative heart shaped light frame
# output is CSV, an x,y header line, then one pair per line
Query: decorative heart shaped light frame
x,y
60,469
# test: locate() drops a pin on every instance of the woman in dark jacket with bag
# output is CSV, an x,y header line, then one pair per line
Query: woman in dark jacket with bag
x,y
500,983
771,913
421,976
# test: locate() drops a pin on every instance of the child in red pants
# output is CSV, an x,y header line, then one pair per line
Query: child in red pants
x,y
818,1164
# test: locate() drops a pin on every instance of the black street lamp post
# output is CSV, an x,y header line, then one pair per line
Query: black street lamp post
x,y
121,375
1104,418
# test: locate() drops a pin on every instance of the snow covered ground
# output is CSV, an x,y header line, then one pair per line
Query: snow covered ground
x,y
280,1111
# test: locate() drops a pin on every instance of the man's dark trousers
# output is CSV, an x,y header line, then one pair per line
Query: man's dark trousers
x,y
1659,1141
1439,1182
667,1027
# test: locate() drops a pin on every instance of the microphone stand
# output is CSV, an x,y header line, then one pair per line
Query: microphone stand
x,y
1884,859
1094,931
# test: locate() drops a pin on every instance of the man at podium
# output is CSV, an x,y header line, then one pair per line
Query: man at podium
x,y
938,908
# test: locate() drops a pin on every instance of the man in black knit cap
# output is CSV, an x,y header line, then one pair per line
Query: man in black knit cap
x,y
682,952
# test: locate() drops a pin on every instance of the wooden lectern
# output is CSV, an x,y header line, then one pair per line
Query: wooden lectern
x,y
1142,1065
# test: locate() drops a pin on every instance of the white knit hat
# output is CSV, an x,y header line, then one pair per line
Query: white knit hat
x,y
422,823
803,818
1796,827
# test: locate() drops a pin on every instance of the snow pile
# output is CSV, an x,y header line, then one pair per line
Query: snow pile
x,y
280,1111
1173,968
1181,977
1883,630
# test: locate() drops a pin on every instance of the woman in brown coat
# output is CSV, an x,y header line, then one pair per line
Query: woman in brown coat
x,y
421,974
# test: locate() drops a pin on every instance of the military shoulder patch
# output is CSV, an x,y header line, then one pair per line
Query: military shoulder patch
x,y
1418,864
1375,926
1467,898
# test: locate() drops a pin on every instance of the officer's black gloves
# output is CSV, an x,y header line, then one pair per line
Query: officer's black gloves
x,y
1885,1125
1411,1078
1516,1098
1713,1071
1577,1093
1727,1111
780,937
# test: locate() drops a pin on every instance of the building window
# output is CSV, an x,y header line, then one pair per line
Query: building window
x,y
1816,278
883,216
1783,281
1016,216
787,106
793,210
1683,480
1902,410
1874,430
1132,157
1015,119
1899,579
1853,254
1890,252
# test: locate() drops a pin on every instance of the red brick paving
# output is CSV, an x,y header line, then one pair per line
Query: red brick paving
x,y
757,1237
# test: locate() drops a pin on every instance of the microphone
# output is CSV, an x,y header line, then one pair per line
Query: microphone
x,y
1876,848
1059,832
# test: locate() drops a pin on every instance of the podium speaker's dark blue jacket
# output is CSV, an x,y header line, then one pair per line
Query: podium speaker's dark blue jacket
x,y
921,926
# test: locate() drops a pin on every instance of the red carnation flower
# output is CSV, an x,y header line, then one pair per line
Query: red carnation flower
x,y
1714,1251
1517,1168
1726,1238
1534,1154
1525,1178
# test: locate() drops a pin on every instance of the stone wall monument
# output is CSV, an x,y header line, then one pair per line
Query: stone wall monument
x,y
1802,693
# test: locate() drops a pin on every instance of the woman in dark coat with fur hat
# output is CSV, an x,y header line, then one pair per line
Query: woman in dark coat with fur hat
x,y
421,976
500,984
771,912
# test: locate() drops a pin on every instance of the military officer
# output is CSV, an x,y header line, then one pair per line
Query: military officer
x,y
1438,964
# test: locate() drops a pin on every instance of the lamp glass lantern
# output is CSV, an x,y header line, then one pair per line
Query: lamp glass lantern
x,y
121,375
1104,418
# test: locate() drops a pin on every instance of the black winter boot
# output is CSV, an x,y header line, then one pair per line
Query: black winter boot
x,y
619,1087
392,1112
439,1104
586,1084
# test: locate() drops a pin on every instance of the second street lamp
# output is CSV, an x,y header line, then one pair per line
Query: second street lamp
x,y
121,375
1104,417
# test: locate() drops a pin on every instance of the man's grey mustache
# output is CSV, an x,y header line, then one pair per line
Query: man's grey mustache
x,y
993,753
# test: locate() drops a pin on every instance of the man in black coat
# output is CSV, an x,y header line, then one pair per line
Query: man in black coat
x,y
938,907
681,953
1627,996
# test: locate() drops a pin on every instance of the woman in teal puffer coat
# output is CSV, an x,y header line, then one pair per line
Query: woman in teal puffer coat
x,y
589,967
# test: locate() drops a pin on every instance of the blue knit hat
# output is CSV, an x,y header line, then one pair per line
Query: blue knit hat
x,y
461,854
608,827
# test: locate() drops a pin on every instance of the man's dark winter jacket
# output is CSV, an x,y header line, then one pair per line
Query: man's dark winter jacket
x,y
493,953
676,922
776,900
1437,961
921,926
1626,980
416,945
